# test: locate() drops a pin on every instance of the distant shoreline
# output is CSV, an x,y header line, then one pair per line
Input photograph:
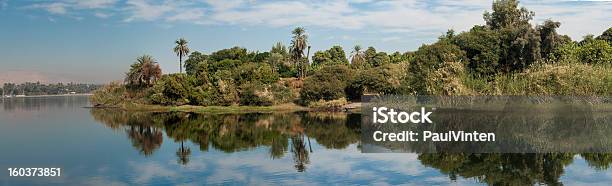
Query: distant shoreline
x,y
51,95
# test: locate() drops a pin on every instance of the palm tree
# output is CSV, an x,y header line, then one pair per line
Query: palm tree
x,y
357,56
144,72
298,44
181,50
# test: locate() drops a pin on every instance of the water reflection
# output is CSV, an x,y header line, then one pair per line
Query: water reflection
x,y
281,133
293,135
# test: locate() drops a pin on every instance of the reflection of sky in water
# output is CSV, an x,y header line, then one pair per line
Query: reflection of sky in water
x,y
91,154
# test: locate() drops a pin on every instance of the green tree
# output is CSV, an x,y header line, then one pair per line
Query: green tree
x,y
380,59
549,38
606,36
333,56
193,60
328,83
234,53
481,45
369,55
506,13
298,44
181,50
587,39
144,72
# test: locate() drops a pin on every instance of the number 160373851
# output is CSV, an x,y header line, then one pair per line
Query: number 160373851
x,y
46,172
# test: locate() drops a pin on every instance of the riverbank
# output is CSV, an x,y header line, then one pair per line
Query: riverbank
x,y
41,96
289,107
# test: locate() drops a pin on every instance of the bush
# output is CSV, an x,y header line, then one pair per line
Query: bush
x,y
282,93
332,105
109,96
448,80
596,52
255,93
326,84
385,79
174,89
428,59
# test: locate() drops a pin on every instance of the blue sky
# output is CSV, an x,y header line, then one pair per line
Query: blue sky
x,y
97,40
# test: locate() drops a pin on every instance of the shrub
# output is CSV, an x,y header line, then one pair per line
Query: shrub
x,y
596,52
110,95
173,89
428,59
326,84
448,80
332,105
282,93
385,79
255,93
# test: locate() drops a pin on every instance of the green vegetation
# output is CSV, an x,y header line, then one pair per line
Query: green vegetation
x,y
37,88
505,56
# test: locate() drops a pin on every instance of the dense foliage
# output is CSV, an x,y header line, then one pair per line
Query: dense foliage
x,y
505,56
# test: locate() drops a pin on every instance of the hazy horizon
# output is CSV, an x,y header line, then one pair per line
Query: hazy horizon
x,y
95,41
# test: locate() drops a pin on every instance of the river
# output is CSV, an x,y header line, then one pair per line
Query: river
x,y
112,147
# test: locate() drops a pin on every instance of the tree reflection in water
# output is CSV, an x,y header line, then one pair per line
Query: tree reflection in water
x,y
501,169
145,138
300,154
232,133
183,154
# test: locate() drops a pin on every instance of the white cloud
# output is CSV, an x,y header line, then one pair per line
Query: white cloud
x,y
150,170
56,8
577,19
94,3
62,7
187,15
142,10
102,15
221,5
418,17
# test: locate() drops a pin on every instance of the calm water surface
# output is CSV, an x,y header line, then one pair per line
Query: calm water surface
x,y
110,147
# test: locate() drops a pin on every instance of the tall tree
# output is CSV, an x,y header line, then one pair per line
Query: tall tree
x,y
549,38
144,72
181,50
519,41
298,45
506,13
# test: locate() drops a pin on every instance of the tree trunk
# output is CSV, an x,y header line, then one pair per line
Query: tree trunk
x,y
307,63
180,63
